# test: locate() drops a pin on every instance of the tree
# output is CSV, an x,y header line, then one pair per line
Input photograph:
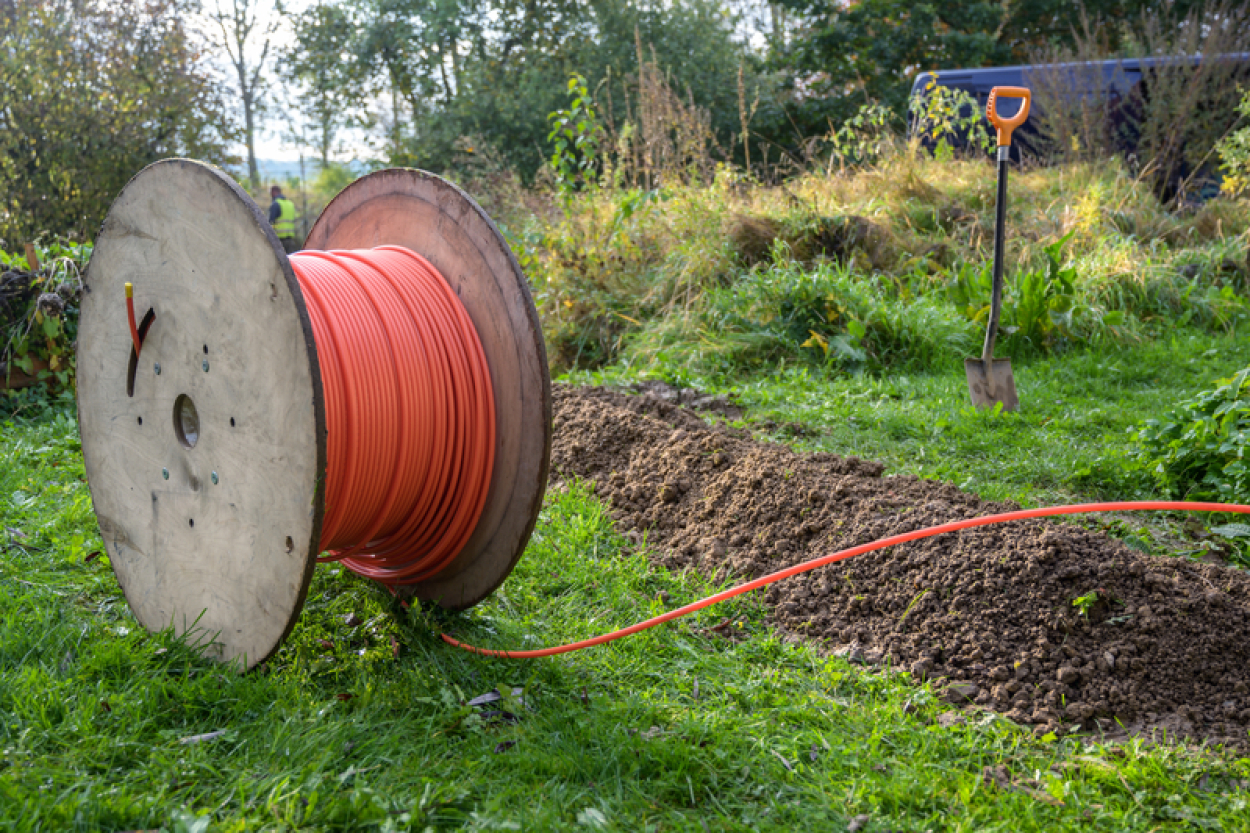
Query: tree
x,y
325,67
90,92
238,28
848,53
493,70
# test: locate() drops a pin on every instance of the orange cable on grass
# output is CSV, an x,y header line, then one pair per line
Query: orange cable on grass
x,y
410,412
807,566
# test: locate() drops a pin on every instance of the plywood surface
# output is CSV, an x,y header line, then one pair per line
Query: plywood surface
x,y
226,562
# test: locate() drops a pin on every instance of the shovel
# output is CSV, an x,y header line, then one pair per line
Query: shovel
x,y
990,381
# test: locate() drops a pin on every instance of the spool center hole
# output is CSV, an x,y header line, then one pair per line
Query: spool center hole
x,y
186,421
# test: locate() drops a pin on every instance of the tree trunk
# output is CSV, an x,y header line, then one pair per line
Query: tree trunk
x,y
249,125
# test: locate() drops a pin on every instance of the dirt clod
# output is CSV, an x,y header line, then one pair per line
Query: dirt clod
x,y
1166,645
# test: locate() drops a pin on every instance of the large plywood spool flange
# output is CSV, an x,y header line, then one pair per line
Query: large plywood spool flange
x,y
210,527
430,216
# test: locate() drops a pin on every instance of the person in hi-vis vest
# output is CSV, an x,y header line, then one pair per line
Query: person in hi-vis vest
x,y
282,217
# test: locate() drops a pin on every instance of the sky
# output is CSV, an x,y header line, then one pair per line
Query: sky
x,y
269,142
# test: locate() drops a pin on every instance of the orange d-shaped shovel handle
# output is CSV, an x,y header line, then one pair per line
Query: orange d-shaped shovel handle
x,y
1005,126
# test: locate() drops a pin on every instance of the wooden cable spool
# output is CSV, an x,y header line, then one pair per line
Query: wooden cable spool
x,y
211,512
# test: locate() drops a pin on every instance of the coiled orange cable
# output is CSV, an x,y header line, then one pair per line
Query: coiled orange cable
x,y
410,411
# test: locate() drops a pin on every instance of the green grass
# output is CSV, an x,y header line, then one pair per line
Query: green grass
x,y
676,729
361,721
1068,442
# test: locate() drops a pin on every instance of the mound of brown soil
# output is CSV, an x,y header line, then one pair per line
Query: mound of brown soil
x,y
988,613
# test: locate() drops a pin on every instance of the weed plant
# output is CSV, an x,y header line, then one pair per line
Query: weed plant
x,y
39,312
1198,450
827,314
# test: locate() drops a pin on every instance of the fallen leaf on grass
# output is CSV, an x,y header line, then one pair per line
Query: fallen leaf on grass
x,y
858,823
344,696
482,699
91,556
949,720
394,647
1038,795
493,695
590,817
784,762
207,736
504,747
104,704
351,620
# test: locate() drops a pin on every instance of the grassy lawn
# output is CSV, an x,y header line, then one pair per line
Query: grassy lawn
x,y
839,326
362,720
1066,444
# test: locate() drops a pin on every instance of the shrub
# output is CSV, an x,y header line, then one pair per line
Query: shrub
x,y
864,138
1234,151
1199,450
90,92
39,314
1038,305
945,118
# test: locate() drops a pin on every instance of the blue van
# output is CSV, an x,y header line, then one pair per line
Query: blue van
x,y
1119,81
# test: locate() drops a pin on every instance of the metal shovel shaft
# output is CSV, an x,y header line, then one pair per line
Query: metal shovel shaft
x,y
990,381
996,289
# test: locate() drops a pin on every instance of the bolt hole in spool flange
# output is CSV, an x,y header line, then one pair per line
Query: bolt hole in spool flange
x,y
186,421
231,564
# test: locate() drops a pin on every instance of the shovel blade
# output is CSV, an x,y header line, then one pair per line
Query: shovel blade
x,y
990,383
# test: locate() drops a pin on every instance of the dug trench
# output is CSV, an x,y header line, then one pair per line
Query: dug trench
x,y
1057,627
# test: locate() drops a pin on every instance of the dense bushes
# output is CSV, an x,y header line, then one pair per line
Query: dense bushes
x,y
90,92
1198,451
39,317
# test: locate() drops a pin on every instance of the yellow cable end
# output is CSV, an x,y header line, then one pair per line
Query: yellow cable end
x,y
130,290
